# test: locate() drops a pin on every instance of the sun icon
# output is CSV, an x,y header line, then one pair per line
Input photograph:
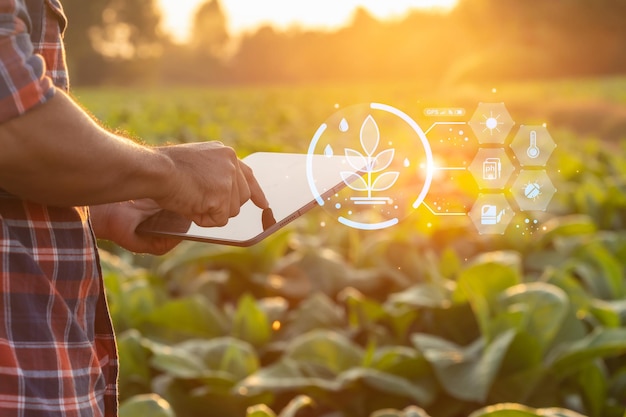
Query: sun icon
x,y
491,123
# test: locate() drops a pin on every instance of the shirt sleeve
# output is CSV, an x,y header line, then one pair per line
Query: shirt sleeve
x,y
23,80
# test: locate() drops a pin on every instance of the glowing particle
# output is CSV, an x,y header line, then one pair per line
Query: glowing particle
x,y
337,206
494,90
323,224
336,105
276,325
407,163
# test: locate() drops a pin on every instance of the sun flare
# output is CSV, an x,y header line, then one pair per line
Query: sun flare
x,y
318,14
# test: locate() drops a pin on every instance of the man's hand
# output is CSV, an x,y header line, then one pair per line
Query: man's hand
x,y
117,222
208,183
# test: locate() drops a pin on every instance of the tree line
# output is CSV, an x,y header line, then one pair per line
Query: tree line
x,y
121,42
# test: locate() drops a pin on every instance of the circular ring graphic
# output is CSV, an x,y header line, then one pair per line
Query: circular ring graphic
x,y
373,173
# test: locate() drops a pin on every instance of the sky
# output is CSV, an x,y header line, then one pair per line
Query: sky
x,y
246,15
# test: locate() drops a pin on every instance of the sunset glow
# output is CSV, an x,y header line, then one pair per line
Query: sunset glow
x,y
319,14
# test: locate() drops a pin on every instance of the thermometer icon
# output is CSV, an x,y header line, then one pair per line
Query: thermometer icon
x,y
533,151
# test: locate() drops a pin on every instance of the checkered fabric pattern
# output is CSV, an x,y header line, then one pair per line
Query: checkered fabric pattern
x,y
57,349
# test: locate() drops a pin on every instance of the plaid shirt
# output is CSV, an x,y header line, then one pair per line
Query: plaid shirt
x,y
57,350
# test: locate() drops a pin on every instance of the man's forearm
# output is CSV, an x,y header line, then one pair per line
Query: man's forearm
x,y
56,154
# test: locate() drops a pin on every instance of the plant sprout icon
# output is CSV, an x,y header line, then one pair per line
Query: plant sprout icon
x,y
372,165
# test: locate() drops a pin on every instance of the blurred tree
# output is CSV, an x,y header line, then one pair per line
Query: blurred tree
x,y
209,33
202,59
113,40
85,64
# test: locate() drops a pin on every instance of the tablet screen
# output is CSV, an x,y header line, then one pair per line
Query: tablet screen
x,y
283,178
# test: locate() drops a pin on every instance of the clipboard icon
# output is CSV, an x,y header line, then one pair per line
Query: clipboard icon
x,y
489,214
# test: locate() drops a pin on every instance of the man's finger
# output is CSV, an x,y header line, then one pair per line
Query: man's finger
x,y
256,193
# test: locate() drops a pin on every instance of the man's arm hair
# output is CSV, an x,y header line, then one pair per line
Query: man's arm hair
x,y
56,154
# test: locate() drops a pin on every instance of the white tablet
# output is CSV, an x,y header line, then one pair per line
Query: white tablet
x,y
283,179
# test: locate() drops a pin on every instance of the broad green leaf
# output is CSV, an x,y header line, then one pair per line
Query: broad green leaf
x,y
566,227
521,372
600,343
427,295
316,312
283,375
147,405
449,264
410,411
260,410
605,273
186,318
593,387
135,373
401,361
466,373
136,303
606,313
295,405
231,356
390,384
482,284
362,311
179,364
327,350
250,322
389,412
519,410
542,306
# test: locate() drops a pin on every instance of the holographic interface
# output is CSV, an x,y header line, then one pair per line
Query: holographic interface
x,y
398,165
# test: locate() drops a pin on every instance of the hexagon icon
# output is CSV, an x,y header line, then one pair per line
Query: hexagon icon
x,y
491,168
533,145
491,123
491,214
533,190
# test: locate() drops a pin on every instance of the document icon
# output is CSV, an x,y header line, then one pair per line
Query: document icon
x,y
492,169
489,214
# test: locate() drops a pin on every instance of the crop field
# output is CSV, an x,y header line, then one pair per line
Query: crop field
x,y
429,318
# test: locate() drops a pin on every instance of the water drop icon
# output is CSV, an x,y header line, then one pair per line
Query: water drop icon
x,y
328,151
407,163
343,125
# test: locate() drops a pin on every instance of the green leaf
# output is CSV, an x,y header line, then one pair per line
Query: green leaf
x,y
299,403
519,410
281,376
593,387
260,410
521,372
177,363
135,373
250,322
390,384
600,343
147,405
186,318
566,227
410,411
466,373
231,356
542,307
604,273
362,311
427,295
483,283
327,350
316,312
